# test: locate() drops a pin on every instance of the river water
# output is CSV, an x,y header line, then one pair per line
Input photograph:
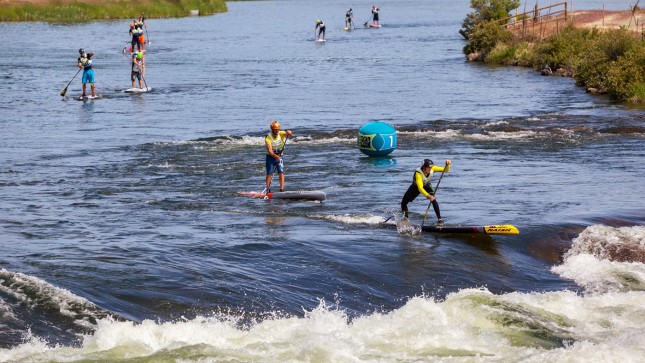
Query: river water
x,y
123,235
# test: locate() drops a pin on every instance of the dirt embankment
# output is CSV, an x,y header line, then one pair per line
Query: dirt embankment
x,y
609,19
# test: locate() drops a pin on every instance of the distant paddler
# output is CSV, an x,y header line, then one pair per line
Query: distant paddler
x,y
135,32
85,63
349,19
275,142
421,184
138,68
142,21
375,19
319,31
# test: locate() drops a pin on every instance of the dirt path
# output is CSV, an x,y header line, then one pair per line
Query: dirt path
x,y
609,19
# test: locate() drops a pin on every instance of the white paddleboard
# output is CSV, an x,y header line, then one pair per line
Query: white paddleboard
x,y
88,98
138,90
321,40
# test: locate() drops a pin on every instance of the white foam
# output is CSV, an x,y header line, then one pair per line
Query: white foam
x,y
32,291
470,325
601,259
353,218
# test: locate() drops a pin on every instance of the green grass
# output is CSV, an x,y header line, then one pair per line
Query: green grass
x,y
70,12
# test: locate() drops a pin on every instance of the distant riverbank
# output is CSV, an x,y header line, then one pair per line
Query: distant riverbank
x,y
70,11
603,51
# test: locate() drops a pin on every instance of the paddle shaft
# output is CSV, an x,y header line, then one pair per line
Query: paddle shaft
x,y
64,91
368,20
434,194
276,163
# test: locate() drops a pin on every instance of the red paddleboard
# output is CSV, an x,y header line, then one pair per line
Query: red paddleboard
x,y
375,25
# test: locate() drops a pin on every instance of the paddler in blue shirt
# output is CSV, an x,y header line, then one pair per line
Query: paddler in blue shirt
x,y
85,62
135,31
275,142
421,185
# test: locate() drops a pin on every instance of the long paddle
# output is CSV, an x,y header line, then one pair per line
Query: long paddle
x,y
64,91
147,36
276,165
435,193
144,82
368,20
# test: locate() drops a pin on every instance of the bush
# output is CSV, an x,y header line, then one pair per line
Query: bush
x,y
485,36
485,11
602,53
564,50
626,77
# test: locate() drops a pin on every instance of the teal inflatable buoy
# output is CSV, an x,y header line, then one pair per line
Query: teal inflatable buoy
x,y
376,139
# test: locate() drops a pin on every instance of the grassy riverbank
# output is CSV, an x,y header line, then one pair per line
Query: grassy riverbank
x,y
608,62
69,11
604,60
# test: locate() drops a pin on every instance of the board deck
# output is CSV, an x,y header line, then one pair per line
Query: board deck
x,y
293,195
503,229
138,90
88,98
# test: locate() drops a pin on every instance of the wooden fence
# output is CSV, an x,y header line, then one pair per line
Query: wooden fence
x,y
538,22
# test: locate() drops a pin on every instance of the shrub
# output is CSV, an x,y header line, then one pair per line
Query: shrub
x,y
484,11
626,77
600,54
565,49
485,36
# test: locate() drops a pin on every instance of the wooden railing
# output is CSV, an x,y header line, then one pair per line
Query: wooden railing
x,y
538,21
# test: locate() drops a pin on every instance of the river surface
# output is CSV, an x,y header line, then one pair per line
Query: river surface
x,y
123,236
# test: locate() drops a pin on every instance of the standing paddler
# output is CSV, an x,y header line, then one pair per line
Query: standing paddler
x,y
375,18
85,62
319,31
349,19
421,185
275,142
137,68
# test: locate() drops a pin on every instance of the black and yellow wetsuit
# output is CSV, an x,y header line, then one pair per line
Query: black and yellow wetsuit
x,y
421,185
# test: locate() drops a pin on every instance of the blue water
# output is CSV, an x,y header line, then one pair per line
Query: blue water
x,y
124,236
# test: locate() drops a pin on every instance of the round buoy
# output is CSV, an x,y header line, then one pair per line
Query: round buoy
x,y
376,139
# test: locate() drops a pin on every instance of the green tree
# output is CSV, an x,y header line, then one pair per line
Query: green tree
x,y
486,10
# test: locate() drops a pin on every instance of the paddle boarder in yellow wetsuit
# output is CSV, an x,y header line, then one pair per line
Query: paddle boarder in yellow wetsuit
x,y
421,185
275,142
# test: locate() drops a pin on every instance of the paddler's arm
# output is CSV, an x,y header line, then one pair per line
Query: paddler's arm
x,y
267,141
418,180
441,168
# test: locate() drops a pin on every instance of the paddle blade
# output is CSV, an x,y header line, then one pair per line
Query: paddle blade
x,y
63,92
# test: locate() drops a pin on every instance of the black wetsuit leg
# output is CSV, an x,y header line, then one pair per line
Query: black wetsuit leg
x,y
411,194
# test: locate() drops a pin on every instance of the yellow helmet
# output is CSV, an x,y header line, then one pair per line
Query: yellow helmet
x,y
275,125
318,21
